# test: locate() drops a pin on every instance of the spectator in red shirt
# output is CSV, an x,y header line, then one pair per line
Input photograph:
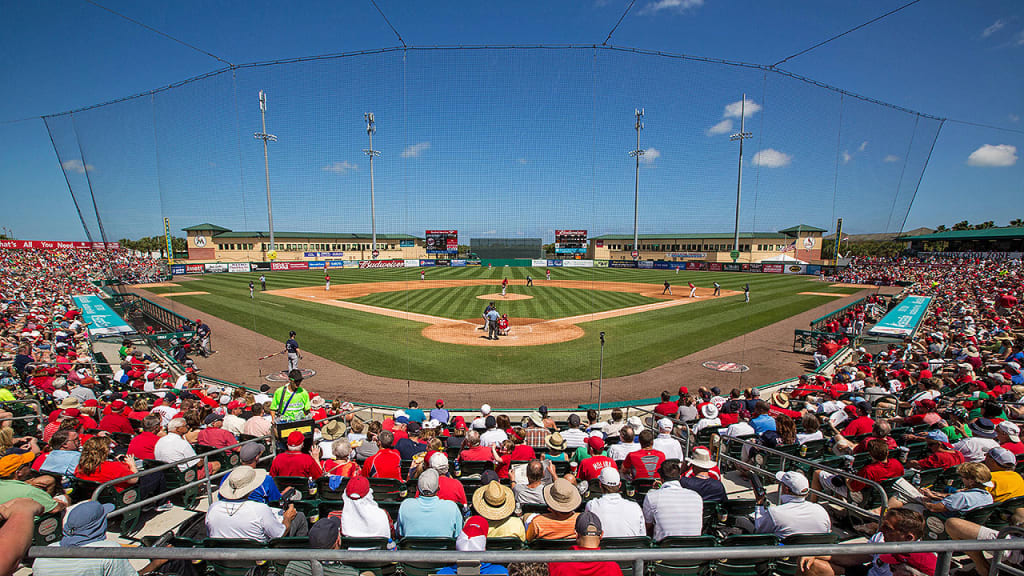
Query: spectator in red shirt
x,y
142,445
942,453
590,468
880,468
387,462
1008,436
116,421
644,462
448,488
667,406
473,451
881,430
862,423
94,466
213,433
588,537
295,462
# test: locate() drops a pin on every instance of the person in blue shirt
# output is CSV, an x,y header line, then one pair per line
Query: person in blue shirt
x,y
267,492
414,414
762,420
976,478
439,413
428,515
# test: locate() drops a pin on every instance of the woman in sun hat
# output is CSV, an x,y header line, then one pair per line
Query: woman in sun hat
x,y
562,499
556,448
496,503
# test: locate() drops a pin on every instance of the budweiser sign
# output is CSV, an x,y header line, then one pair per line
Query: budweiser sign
x,y
382,263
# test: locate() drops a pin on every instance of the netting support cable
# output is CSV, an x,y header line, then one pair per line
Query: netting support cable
x,y
388,23
903,170
164,34
838,36
95,207
920,176
616,27
71,191
982,125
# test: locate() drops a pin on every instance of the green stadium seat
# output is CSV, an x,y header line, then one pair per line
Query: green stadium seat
x,y
48,528
127,523
552,544
232,567
424,568
626,543
300,483
746,567
378,568
790,566
473,468
505,543
324,492
175,478
935,524
684,567
388,489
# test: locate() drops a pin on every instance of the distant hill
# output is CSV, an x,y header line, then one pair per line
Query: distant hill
x,y
886,237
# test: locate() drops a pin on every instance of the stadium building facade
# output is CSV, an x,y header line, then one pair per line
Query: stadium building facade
x,y
212,243
1005,240
801,242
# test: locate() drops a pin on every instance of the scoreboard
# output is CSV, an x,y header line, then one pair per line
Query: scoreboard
x,y
570,241
442,241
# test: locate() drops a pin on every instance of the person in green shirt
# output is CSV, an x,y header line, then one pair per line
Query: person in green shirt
x,y
290,402
11,489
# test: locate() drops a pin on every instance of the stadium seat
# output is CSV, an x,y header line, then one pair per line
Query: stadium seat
x,y
789,566
48,528
626,543
1001,517
175,478
232,567
505,543
378,568
279,566
639,487
684,567
771,461
388,489
746,567
300,483
473,468
552,544
323,488
83,490
424,568
935,527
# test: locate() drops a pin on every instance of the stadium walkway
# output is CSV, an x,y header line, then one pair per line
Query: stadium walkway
x,y
768,352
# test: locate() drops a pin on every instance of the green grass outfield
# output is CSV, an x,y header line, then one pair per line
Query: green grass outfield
x,y
392,347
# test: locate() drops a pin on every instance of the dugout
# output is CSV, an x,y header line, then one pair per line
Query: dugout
x,y
506,248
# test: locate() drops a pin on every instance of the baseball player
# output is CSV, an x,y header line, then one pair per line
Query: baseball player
x,y
693,290
668,288
718,289
548,273
263,283
677,269
327,282
746,292
291,347
504,287
423,274
529,280
252,288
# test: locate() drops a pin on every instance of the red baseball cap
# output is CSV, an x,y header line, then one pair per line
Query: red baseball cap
x,y
91,403
595,443
357,487
460,423
683,390
439,403
296,438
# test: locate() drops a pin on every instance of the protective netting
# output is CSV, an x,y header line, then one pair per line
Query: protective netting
x,y
494,142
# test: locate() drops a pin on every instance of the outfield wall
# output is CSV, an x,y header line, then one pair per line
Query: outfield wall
x,y
222,267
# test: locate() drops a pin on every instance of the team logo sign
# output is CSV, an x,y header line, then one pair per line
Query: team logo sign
x,y
282,376
720,366
200,241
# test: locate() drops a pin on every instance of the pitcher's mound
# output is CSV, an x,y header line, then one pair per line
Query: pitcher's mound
x,y
508,296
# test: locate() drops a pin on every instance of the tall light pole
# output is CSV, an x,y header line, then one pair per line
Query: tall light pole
x,y
266,162
741,136
370,129
637,153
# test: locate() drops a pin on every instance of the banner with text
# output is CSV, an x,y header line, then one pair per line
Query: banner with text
x,y
99,318
56,245
904,318
382,263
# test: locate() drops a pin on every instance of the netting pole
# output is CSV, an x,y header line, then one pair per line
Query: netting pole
x,y
63,171
266,162
741,136
637,153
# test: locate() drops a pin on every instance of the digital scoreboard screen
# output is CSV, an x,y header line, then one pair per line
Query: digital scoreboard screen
x,y
570,241
442,241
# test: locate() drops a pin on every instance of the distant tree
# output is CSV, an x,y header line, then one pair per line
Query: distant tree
x,y
962,225
941,228
549,248
1017,223
985,225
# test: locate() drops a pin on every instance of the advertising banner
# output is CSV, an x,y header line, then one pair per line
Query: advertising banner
x,y
753,267
442,241
238,266
216,267
578,263
600,263
412,263
194,268
335,263
442,262
323,254
795,268
976,255
813,269
406,243
554,263
289,265
622,264
317,264
646,264
382,263
177,269
473,262
56,245
539,263
687,255
427,263
714,266
772,268
458,263
99,318
732,267
904,318
663,265
261,266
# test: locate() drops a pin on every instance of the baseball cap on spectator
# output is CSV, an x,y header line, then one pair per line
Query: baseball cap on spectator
x,y
928,404
117,405
413,427
1013,366
214,417
485,409
983,428
460,423
683,390
636,423
439,462
938,436
403,419
225,400
250,452
439,403
324,534
926,373
795,481
490,422
295,440
665,424
236,404
1010,429
1003,457
595,443
609,476
357,487
72,412
91,403
588,524
428,482
543,410
574,420
473,537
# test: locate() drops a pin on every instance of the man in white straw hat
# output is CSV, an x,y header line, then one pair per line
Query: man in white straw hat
x,y
619,516
496,503
234,515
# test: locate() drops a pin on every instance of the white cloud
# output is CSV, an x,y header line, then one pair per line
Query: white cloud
x,y
999,155
771,158
650,155
1013,118
76,166
891,158
673,5
522,160
415,150
723,127
995,27
733,110
847,156
863,146
1020,38
340,167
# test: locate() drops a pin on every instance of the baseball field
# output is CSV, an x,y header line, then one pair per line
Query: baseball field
x,y
392,323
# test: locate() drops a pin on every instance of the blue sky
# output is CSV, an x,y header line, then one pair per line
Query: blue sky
x,y
512,143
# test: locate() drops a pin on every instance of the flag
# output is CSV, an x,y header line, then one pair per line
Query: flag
x,y
791,247
846,239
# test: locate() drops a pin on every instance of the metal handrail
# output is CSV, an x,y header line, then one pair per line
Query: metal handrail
x,y
675,422
638,556
997,567
812,464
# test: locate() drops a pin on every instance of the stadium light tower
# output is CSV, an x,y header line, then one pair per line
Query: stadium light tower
x,y
637,153
741,136
266,162
371,127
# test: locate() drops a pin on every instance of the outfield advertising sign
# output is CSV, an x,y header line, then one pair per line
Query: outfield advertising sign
x,y
99,318
335,263
261,266
317,264
289,265
813,269
382,263
714,266
578,263
458,263
425,263
177,269
772,268
539,263
216,267
795,268
600,263
554,263
756,267
194,268
731,267
238,266
904,318
622,264
645,264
